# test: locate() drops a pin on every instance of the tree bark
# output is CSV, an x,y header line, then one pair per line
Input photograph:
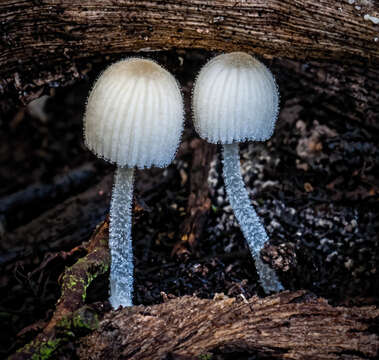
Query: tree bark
x,y
49,42
283,326
71,315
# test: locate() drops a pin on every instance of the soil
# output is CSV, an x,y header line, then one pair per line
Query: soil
x,y
314,185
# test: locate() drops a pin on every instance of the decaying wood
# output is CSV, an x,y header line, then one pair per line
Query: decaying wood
x,y
283,326
49,194
65,225
71,312
49,42
199,203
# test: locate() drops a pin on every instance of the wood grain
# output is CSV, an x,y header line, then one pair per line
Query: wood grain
x,y
283,326
50,41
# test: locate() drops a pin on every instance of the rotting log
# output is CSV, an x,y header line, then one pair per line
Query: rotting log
x,y
48,43
283,326
71,314
289,325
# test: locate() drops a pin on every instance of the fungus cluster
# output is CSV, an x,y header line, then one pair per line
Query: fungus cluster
x,y
236,99
134,118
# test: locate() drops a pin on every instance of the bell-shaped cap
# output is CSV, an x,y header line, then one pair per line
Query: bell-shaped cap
x,y
235,99
134,115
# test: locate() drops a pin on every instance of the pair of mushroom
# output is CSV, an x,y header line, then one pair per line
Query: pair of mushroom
x,y
134,118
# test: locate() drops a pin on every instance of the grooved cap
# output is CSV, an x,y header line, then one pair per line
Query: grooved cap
x,y
134,114
235,99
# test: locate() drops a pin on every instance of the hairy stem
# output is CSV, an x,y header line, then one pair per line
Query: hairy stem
x,y
120,239
251,226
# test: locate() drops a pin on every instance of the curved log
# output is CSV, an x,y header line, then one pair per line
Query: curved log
x,y
50,42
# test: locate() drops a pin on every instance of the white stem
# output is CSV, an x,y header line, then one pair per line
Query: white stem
x,y
251,226
120,239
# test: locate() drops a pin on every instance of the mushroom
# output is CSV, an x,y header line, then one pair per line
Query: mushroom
x,y
236,99
134,118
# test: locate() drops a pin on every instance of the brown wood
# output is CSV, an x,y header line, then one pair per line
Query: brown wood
x,y
71,312
289,325
283,326
50,42
65,225
199,203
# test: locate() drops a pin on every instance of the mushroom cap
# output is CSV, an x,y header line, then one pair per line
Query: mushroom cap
x,y
134,115
235,99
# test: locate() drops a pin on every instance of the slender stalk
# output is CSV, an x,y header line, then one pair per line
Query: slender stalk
x,y
120,239
251,226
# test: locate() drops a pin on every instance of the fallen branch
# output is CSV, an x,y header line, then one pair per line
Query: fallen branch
x,y
72,317
284,326
48,194
64,226
71,314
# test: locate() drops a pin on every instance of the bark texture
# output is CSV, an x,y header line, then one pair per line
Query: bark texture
x,y
283,326
71,315
50,42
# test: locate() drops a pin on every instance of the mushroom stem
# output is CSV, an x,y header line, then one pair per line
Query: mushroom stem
x,y
120,239
251,226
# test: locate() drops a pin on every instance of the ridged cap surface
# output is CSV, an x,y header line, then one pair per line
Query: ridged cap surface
x,y
134,115
235,99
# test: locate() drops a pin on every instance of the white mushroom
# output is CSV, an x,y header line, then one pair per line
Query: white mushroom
x,y
134,118
236,99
